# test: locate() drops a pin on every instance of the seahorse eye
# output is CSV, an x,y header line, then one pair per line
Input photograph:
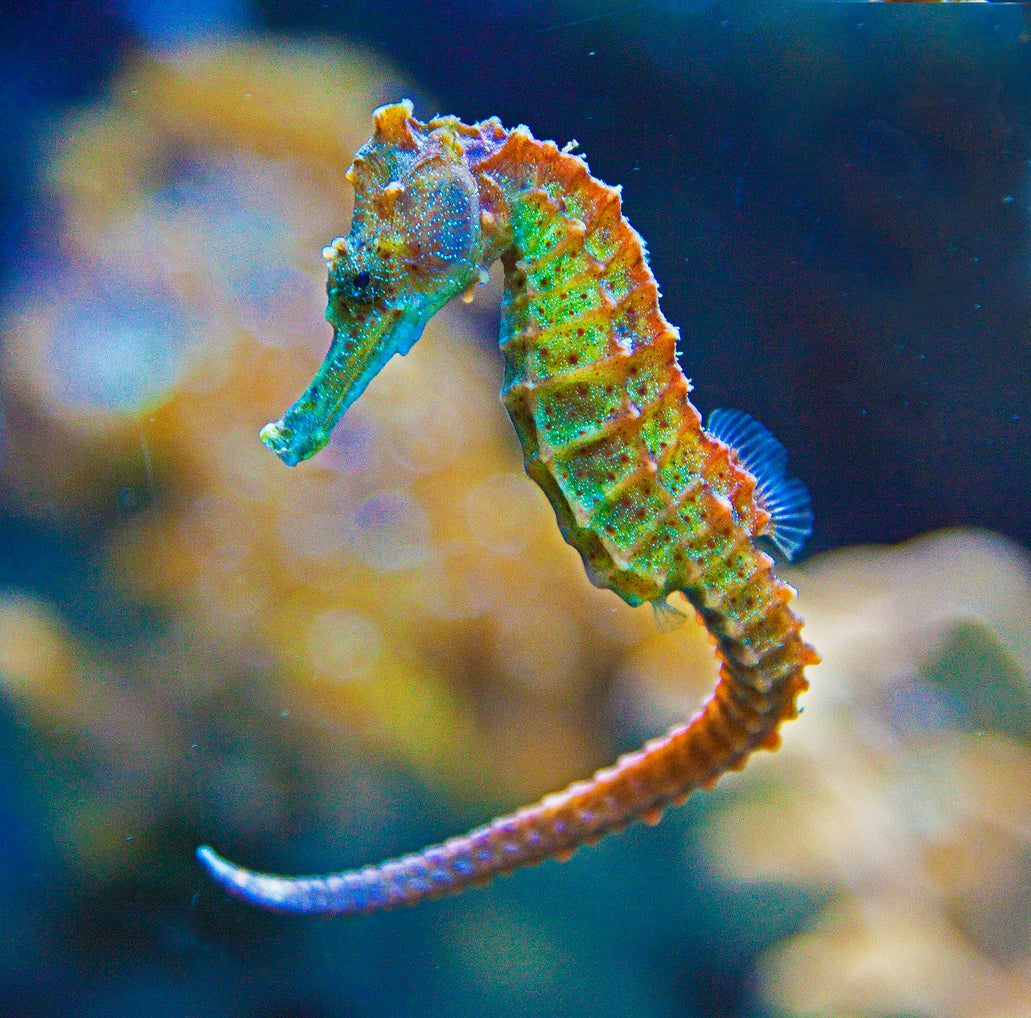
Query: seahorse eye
x,y
353,278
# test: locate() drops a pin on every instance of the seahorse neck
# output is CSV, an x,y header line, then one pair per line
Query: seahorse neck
x,y
509,167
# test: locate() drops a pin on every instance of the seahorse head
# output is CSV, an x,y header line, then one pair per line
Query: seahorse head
x,y
415,236
415,243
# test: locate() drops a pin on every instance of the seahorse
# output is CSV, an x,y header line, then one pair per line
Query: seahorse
x,y
653,502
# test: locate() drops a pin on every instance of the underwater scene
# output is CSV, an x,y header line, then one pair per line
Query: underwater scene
x,y
388,636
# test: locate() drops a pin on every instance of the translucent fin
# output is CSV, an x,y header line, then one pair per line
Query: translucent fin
x,y
784,498
667,616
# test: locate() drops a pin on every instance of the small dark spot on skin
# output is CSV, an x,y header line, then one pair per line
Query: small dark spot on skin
x,y
545,282
573,359
362,280
581,390
579,332
609,529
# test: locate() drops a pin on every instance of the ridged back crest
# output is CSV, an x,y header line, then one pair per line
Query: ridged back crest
x,y
601,406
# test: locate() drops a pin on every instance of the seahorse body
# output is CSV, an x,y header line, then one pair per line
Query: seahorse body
x,y
653,502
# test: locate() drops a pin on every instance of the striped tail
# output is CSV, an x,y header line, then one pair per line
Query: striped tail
x,y
743,714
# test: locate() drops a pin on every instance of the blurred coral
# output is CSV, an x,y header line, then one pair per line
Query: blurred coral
x,y
904,796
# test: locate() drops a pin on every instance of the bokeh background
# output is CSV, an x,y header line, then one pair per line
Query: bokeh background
x,y
320,667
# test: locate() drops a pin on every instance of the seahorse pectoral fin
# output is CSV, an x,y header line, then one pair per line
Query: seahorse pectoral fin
x,y
667,616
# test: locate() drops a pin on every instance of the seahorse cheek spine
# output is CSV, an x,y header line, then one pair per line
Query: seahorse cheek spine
x,y
652,502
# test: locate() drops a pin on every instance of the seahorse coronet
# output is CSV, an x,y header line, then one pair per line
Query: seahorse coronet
x,y
653,502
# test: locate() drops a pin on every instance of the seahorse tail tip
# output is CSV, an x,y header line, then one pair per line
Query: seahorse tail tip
x,y
235,879
220,869
277,893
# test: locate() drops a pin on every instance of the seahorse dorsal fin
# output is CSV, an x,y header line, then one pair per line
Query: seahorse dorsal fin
x,y
784,498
